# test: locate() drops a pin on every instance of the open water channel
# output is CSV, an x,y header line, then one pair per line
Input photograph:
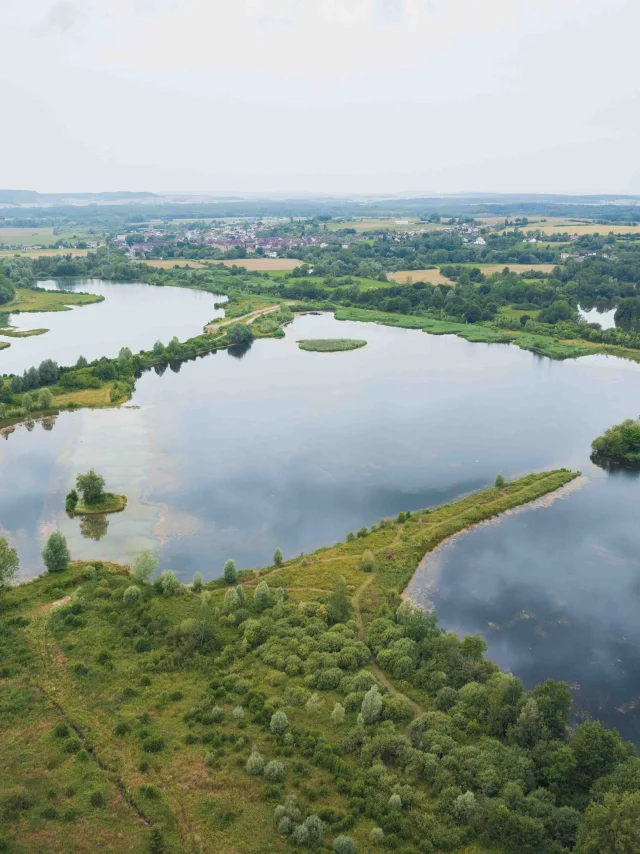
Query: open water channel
x,y
231,455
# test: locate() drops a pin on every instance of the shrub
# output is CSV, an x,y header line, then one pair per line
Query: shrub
x,y
313,704
279,723
80,669
376,836
216,714
239,714
371,705
122,728
153,744
499,481
49,813
197,585
72,745
367,562
274,771
351,537
255,763
338,715
96,799
277,557
344,845
45,399
61,730
395,802
71,501
262,595
131,595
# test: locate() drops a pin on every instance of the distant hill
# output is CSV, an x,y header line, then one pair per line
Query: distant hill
x,y
31,197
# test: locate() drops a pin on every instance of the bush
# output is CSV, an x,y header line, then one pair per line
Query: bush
x,y
376,836
145,564
277,558
367,562
170,584
279,723
71,501
61,730
197,585
55,554
344,845
338,715
131,595
255,764
96,799
499,481
274,771
153,744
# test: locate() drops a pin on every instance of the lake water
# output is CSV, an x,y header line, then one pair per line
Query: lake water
x,y
231,455
605,317
133,315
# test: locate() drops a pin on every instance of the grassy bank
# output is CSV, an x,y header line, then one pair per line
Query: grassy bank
x,y
134,723
330,345
11,332
27,299
111,503
553,348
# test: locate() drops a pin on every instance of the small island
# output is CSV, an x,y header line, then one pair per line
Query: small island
x,y
89,497
618,446
330,345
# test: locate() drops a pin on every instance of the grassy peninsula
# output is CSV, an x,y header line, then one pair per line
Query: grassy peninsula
x,y
619,445
110,503
287,709
330,345
37,299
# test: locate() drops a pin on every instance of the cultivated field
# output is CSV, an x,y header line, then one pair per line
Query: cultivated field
x,y
391,224
487,269
592,228
168,263
21,233
262,265
434,277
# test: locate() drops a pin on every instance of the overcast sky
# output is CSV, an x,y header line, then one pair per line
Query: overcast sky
x,y
367,96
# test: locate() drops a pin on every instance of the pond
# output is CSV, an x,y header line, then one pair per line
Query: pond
x,y
233,454
133,315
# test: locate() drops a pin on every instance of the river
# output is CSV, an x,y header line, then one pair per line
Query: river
x,y
233,454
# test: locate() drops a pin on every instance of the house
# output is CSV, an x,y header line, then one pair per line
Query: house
x,y
480,241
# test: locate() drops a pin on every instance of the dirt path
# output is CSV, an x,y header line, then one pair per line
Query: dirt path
x,y
245,318
373,666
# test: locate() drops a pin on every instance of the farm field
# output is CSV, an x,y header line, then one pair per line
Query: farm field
x,y
592,228
261,265
515,268
434,277
372,224
43,236
169,263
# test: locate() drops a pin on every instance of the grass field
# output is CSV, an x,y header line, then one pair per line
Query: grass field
x,y
391,224
588,229
39,253
434,277
39,300
330,345
42,236
11,332
127,727
487,269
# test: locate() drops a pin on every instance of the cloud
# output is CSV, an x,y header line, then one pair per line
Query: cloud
x,y
61,17
388,12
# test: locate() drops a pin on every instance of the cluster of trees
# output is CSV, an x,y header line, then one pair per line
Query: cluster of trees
x,y
47,374
7,290
619,445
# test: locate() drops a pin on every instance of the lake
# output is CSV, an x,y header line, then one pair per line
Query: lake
x,y
133,315
233,454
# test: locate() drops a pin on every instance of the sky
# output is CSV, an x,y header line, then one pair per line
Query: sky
x,y
320,96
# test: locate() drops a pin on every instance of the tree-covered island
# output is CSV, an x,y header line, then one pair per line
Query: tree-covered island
x,y
619,445
89,497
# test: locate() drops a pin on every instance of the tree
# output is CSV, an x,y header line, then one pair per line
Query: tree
x,y
279,723
611,827
197,584
274,771
131,595
82,362
45,399
71,501
55,554
262,595
277,557
170,584
239,334
48,372
9,563
91,486
158,348
230,572
27,402
145,564
499,481
16,385
371,705
339,602
231,600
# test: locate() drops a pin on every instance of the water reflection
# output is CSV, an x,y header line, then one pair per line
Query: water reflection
x,y
94,527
